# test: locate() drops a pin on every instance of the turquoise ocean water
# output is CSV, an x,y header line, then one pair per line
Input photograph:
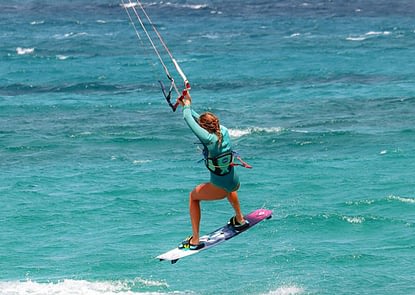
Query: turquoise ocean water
x,y
95,169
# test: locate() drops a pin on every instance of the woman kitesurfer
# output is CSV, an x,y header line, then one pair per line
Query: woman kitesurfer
x,y
224,182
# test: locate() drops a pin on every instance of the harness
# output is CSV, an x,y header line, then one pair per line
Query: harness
x,y
223,163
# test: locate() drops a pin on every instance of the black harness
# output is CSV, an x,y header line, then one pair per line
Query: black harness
x,y
220,165
223,163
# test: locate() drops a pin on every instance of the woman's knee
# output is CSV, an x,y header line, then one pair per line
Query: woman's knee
x,y
207,191
193,195
232,195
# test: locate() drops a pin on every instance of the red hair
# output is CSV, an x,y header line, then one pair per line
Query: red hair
x,y
210,123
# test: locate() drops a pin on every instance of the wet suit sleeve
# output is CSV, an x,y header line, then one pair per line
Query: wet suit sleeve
x,y
190,117
195,115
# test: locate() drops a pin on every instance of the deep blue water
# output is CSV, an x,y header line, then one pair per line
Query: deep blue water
x,y
95,169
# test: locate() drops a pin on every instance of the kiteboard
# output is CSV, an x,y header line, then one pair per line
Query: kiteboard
x,y
218,236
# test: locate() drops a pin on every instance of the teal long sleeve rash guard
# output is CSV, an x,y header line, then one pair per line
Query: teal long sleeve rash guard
x,y
230,181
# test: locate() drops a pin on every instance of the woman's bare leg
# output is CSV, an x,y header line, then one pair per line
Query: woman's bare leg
x,y
234,201
205,192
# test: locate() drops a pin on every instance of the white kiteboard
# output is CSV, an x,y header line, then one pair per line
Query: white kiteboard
x,y
218,236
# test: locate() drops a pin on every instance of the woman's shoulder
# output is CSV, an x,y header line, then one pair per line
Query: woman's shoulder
x,y
226,139
223,129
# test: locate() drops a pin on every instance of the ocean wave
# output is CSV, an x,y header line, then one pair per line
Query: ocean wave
x,y
140,162
41,22
286,290
23,51
367,35
168,4
402,199
81,287
236,133
187,6
336,220
61,57
69,35
297,34
354,219
129,5
211,36
391,198
195,6
360,202
294,35
87,87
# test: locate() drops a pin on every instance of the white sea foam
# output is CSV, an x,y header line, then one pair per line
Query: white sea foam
x,y
129,5
236,133
354,219
80,287
367,35
385,33
69,35
188,6
211,36
139,162
362,202
402,199
151,283
195,6
23,51
286,290
40,22
62,57
355,38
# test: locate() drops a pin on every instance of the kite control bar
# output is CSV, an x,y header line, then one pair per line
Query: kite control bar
x,y
167,95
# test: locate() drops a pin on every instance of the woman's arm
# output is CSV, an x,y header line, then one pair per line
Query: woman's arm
x,y
191,117
195,115
204,136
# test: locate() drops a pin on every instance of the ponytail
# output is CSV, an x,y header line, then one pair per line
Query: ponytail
x,y
219,135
